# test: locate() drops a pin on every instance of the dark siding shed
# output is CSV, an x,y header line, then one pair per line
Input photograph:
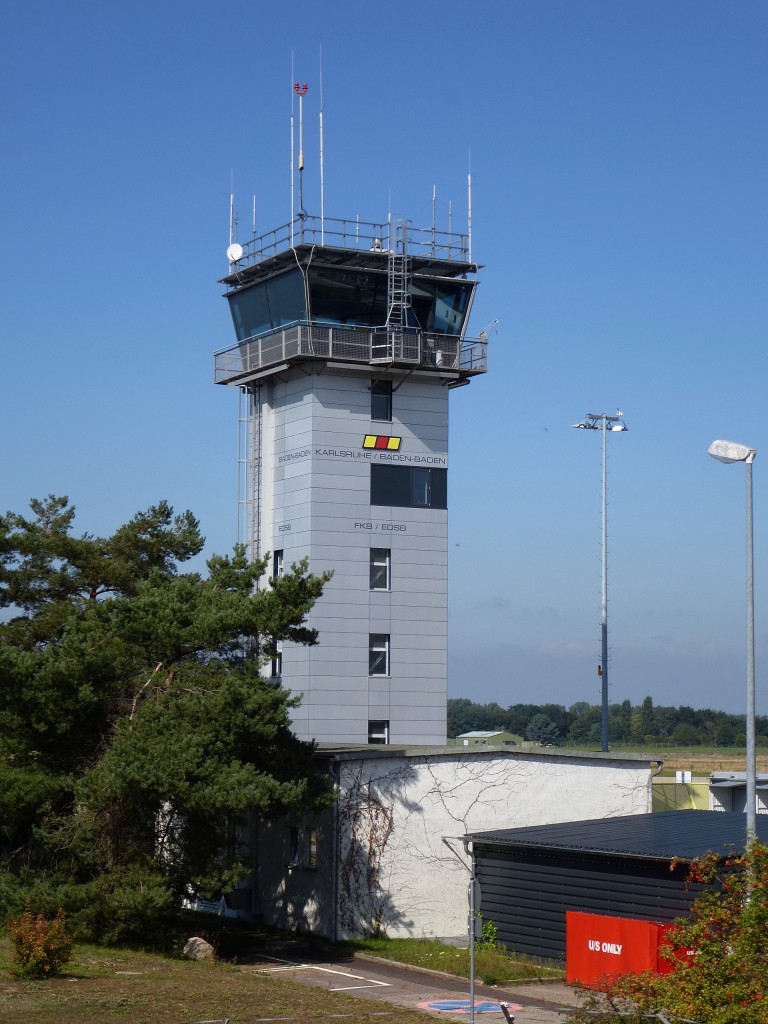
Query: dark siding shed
x,y
530,877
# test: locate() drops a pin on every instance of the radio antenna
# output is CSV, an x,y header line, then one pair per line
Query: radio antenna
x,y
292,138
434,214
301,92
253,222
322,166
469,205
231,208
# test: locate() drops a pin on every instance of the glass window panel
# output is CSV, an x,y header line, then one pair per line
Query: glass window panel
x,y
277,564
378,732
285,295
347,297
378,654
420,488
380,566
250,312
391,485
381,400
439,488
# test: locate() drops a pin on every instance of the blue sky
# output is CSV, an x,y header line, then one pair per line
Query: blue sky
x,y
618,150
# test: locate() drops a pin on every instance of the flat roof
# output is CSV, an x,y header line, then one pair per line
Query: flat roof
x,y
360,752
663,835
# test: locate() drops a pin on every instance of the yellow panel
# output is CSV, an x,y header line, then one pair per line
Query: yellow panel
x,y
394,443
369,441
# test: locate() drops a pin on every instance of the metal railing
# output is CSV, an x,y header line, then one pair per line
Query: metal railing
x,y
301,339
353,234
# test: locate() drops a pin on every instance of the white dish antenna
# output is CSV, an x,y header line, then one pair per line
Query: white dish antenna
x,y
235,252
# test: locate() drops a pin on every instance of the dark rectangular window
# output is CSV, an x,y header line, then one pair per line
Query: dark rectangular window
x,y
409,487
378,654
381,400
277,659
381,561
378,732
277,564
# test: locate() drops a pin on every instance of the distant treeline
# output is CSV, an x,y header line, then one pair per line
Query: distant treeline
x,y
580,723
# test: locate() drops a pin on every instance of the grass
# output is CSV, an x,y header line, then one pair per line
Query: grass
x,y
108,986
493,966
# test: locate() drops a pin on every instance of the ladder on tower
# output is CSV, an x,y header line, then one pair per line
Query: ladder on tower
x,y
398,299
249,475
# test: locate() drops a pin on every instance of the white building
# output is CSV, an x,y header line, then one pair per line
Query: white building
x,y
349,340
376,862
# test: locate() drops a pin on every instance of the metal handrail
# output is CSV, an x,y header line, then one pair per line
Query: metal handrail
x,y
304,339
345,233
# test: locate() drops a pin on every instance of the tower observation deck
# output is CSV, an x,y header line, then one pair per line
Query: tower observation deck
x,y
349,338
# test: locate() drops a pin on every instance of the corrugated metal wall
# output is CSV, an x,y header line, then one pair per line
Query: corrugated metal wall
x,y
526,893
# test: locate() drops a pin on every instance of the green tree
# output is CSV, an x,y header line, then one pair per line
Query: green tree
x,y
136,733
726,981
541,729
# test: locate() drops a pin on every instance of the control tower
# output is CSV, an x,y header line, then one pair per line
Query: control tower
x,y
350,338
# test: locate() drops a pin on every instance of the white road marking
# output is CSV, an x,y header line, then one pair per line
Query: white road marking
x,y
290,965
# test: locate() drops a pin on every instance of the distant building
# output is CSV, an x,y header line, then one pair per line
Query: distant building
x,y
487,738
728,792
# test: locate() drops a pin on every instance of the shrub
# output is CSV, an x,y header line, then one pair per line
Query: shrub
x,y
40,947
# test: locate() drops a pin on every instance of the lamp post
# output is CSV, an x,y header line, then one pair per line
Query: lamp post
x,y
602,421
729,451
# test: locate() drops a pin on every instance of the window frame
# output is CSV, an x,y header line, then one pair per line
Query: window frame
x,y
374,732
379,646
396,486
278,560
378,559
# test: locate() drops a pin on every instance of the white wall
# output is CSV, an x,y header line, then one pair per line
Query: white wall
x,y
394,811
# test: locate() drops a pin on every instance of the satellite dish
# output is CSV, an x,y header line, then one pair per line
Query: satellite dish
x,y
234,252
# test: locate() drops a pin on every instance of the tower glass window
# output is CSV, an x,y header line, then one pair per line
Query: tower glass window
x,y
409,487
378,654
381,565
381,400
277,660
378,732
277,564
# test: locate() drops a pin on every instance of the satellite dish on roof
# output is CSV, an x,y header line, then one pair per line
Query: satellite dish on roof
x,y
234,252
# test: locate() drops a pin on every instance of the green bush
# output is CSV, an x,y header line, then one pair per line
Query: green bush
x,y
40,947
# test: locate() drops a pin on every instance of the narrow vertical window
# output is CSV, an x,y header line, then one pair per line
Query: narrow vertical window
x,y
277,659
420,491
378,654
293,846
381,562
312,848
378,732
277,564
381,400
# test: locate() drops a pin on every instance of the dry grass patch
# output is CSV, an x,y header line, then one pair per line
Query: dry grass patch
x,y
107,986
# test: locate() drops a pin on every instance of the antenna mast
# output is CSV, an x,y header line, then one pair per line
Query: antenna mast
x,y
301,92
322,172
292,137
469,213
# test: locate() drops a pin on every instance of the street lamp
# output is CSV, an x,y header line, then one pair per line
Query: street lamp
x,y
602,421
729,451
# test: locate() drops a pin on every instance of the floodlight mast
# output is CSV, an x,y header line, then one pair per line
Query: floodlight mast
x,y
602,421
728,452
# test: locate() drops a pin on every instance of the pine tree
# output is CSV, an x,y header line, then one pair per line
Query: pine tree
x,y
136,732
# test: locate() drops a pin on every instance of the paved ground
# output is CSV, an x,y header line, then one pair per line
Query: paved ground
x,y
381,981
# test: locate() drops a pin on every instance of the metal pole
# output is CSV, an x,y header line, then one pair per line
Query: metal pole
x,y
604,619
472,941
751,766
